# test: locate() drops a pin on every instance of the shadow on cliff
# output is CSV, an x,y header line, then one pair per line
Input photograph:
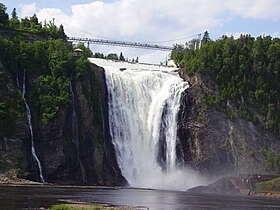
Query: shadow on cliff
x,y
215,144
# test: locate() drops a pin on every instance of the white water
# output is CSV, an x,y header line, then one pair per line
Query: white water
x,y
29,118
75,133
144,100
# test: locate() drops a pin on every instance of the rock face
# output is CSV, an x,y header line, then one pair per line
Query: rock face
x,y
214,144
60,157
211,143
96,152
225,185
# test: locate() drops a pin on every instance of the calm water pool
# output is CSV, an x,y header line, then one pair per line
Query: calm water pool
x,y
26,197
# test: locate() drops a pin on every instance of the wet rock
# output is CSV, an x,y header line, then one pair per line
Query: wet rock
x,y
53,142
214,144
221,186
96,152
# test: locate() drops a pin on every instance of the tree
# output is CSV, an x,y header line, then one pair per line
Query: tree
x,y
246,70
112,56
98,55
121,57
35,26
14,22
177,53
24,23
34,20
192,44
205,38
61,33
14,14
4,17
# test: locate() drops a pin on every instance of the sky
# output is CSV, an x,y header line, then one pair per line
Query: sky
x,y
154,21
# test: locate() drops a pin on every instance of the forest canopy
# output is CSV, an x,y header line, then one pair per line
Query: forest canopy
x,y
246,70
41,52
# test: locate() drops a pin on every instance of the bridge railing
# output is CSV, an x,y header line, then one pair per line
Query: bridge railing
x,y
120,43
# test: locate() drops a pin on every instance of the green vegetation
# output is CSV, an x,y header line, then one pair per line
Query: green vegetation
x,y
272,159
3,167
82,67
71,207
42,53
246,70
86,51
4,17
29,25
111,56
269,186
67,207
91,89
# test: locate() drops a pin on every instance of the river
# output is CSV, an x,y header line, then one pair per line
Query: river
x,y
28,197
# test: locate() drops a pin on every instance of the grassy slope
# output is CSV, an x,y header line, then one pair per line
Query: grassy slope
x,y
272,186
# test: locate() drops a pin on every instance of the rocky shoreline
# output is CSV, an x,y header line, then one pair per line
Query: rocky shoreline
x,y
10,178
82,205
244,184
225,185
266,194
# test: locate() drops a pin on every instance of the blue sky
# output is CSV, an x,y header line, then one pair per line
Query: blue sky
x,y
146,20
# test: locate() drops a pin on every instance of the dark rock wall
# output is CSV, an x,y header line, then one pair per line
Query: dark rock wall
x,y
208,140
55,148
96,151
93,111
214,144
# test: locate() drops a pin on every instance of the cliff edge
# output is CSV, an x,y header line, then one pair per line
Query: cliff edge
x,y
216,144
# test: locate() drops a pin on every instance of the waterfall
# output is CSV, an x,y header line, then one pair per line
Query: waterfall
x,y
144,101
29,118
75,132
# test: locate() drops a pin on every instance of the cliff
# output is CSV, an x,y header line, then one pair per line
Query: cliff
x,y
58,154
216,144
212,142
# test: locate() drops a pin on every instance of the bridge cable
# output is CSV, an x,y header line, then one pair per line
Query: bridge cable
x,y
150,42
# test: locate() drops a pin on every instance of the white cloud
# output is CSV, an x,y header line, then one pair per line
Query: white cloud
x,y
256,9
139,20
27,10
49,13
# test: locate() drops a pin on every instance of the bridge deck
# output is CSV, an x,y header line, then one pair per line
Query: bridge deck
x,y
120,43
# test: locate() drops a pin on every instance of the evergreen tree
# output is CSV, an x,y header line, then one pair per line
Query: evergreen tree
x,y
121,57
34,20
205,38
112,56
61,32
25,23
246,71
98,55
14,22
4,17
35,26
14,14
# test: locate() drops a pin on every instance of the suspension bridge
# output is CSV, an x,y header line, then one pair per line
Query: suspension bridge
x,y
120,43
123,43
